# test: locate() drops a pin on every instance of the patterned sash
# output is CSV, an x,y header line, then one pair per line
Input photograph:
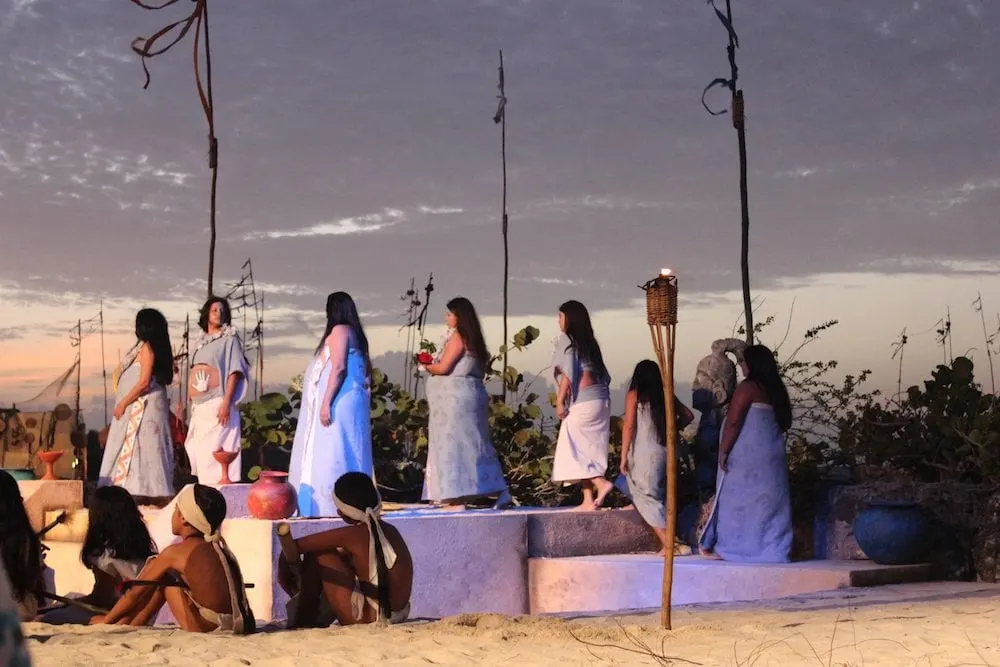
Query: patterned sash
x,y
124,460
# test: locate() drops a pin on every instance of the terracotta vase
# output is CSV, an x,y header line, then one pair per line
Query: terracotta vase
x,y
224,458
271,496
49,457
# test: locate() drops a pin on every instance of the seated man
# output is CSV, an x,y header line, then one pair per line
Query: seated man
x,y
198,578
364,569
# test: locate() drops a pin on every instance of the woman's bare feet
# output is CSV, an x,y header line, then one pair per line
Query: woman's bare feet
x,y
584,507
604,487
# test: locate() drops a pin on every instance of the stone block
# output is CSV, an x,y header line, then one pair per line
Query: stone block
x,y
559,533
41,496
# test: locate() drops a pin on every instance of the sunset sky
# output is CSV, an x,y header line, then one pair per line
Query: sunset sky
x,y
357,151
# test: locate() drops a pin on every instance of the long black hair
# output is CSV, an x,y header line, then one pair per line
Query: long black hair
x,y
206,308
357,490
470,329
763,370
581,337
20,547
151,328
647,383
115,525
340,309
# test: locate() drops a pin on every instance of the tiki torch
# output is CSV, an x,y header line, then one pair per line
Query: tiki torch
x,y
661,315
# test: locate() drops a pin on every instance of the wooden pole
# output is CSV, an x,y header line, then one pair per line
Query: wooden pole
x,y
104,366
661,314
501,117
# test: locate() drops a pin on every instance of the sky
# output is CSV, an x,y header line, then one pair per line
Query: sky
x,y
357,151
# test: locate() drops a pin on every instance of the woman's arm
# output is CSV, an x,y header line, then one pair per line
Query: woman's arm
x,y
453,351
628,426
684,415
336,345
735,415
145,359
562,395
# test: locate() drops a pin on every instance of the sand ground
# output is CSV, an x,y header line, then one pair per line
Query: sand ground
x,y
914,624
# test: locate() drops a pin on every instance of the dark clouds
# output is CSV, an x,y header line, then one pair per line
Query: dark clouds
x,y
872,137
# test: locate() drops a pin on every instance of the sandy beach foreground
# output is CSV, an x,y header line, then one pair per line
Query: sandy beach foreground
x,y
914,624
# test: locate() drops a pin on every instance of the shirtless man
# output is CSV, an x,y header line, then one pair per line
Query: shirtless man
x,y
364,569
198,578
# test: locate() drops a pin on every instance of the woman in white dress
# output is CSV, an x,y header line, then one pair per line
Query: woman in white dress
x,y
333,435
583,404
218,382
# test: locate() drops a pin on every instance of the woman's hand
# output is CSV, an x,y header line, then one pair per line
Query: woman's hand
x,y
225,411
96,620
325,418
626,463
724,461
561,410
119,411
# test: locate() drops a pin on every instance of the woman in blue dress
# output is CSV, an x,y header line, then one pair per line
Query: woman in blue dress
x,y
751,515
333,435
462,464
644,440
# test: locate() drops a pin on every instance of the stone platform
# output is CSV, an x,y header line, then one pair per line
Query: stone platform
x,y
613,583
519,561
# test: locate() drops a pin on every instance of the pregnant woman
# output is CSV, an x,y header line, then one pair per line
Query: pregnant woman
x,y
139,454
333,435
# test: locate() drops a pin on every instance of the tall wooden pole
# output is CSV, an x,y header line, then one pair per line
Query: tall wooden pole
x,y
661,315
79,363
104,366
213,150
740,125
501,117
146,47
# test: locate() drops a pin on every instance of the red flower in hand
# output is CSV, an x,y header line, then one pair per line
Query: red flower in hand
x,y
425,358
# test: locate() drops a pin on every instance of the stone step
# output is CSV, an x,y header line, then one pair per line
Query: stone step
x,y
614,583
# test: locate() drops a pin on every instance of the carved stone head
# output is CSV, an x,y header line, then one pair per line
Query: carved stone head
x,y
715,378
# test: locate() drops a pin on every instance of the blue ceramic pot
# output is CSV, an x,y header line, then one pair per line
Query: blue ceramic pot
x,y
892,533
20,474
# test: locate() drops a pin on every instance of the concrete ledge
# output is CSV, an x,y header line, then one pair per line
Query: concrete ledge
x,y
625,582
159,520
41,496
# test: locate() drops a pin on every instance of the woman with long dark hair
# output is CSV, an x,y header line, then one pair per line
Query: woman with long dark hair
x,y
13,651
462,464
644,439
20,549
218,380
583,404
333,435
115,549
751,516
138,455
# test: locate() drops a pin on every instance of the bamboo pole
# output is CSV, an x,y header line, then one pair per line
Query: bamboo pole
x,y
661,315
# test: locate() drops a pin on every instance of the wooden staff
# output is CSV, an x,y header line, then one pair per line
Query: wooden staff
x,y
58,520
661,315
290,550
73,603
